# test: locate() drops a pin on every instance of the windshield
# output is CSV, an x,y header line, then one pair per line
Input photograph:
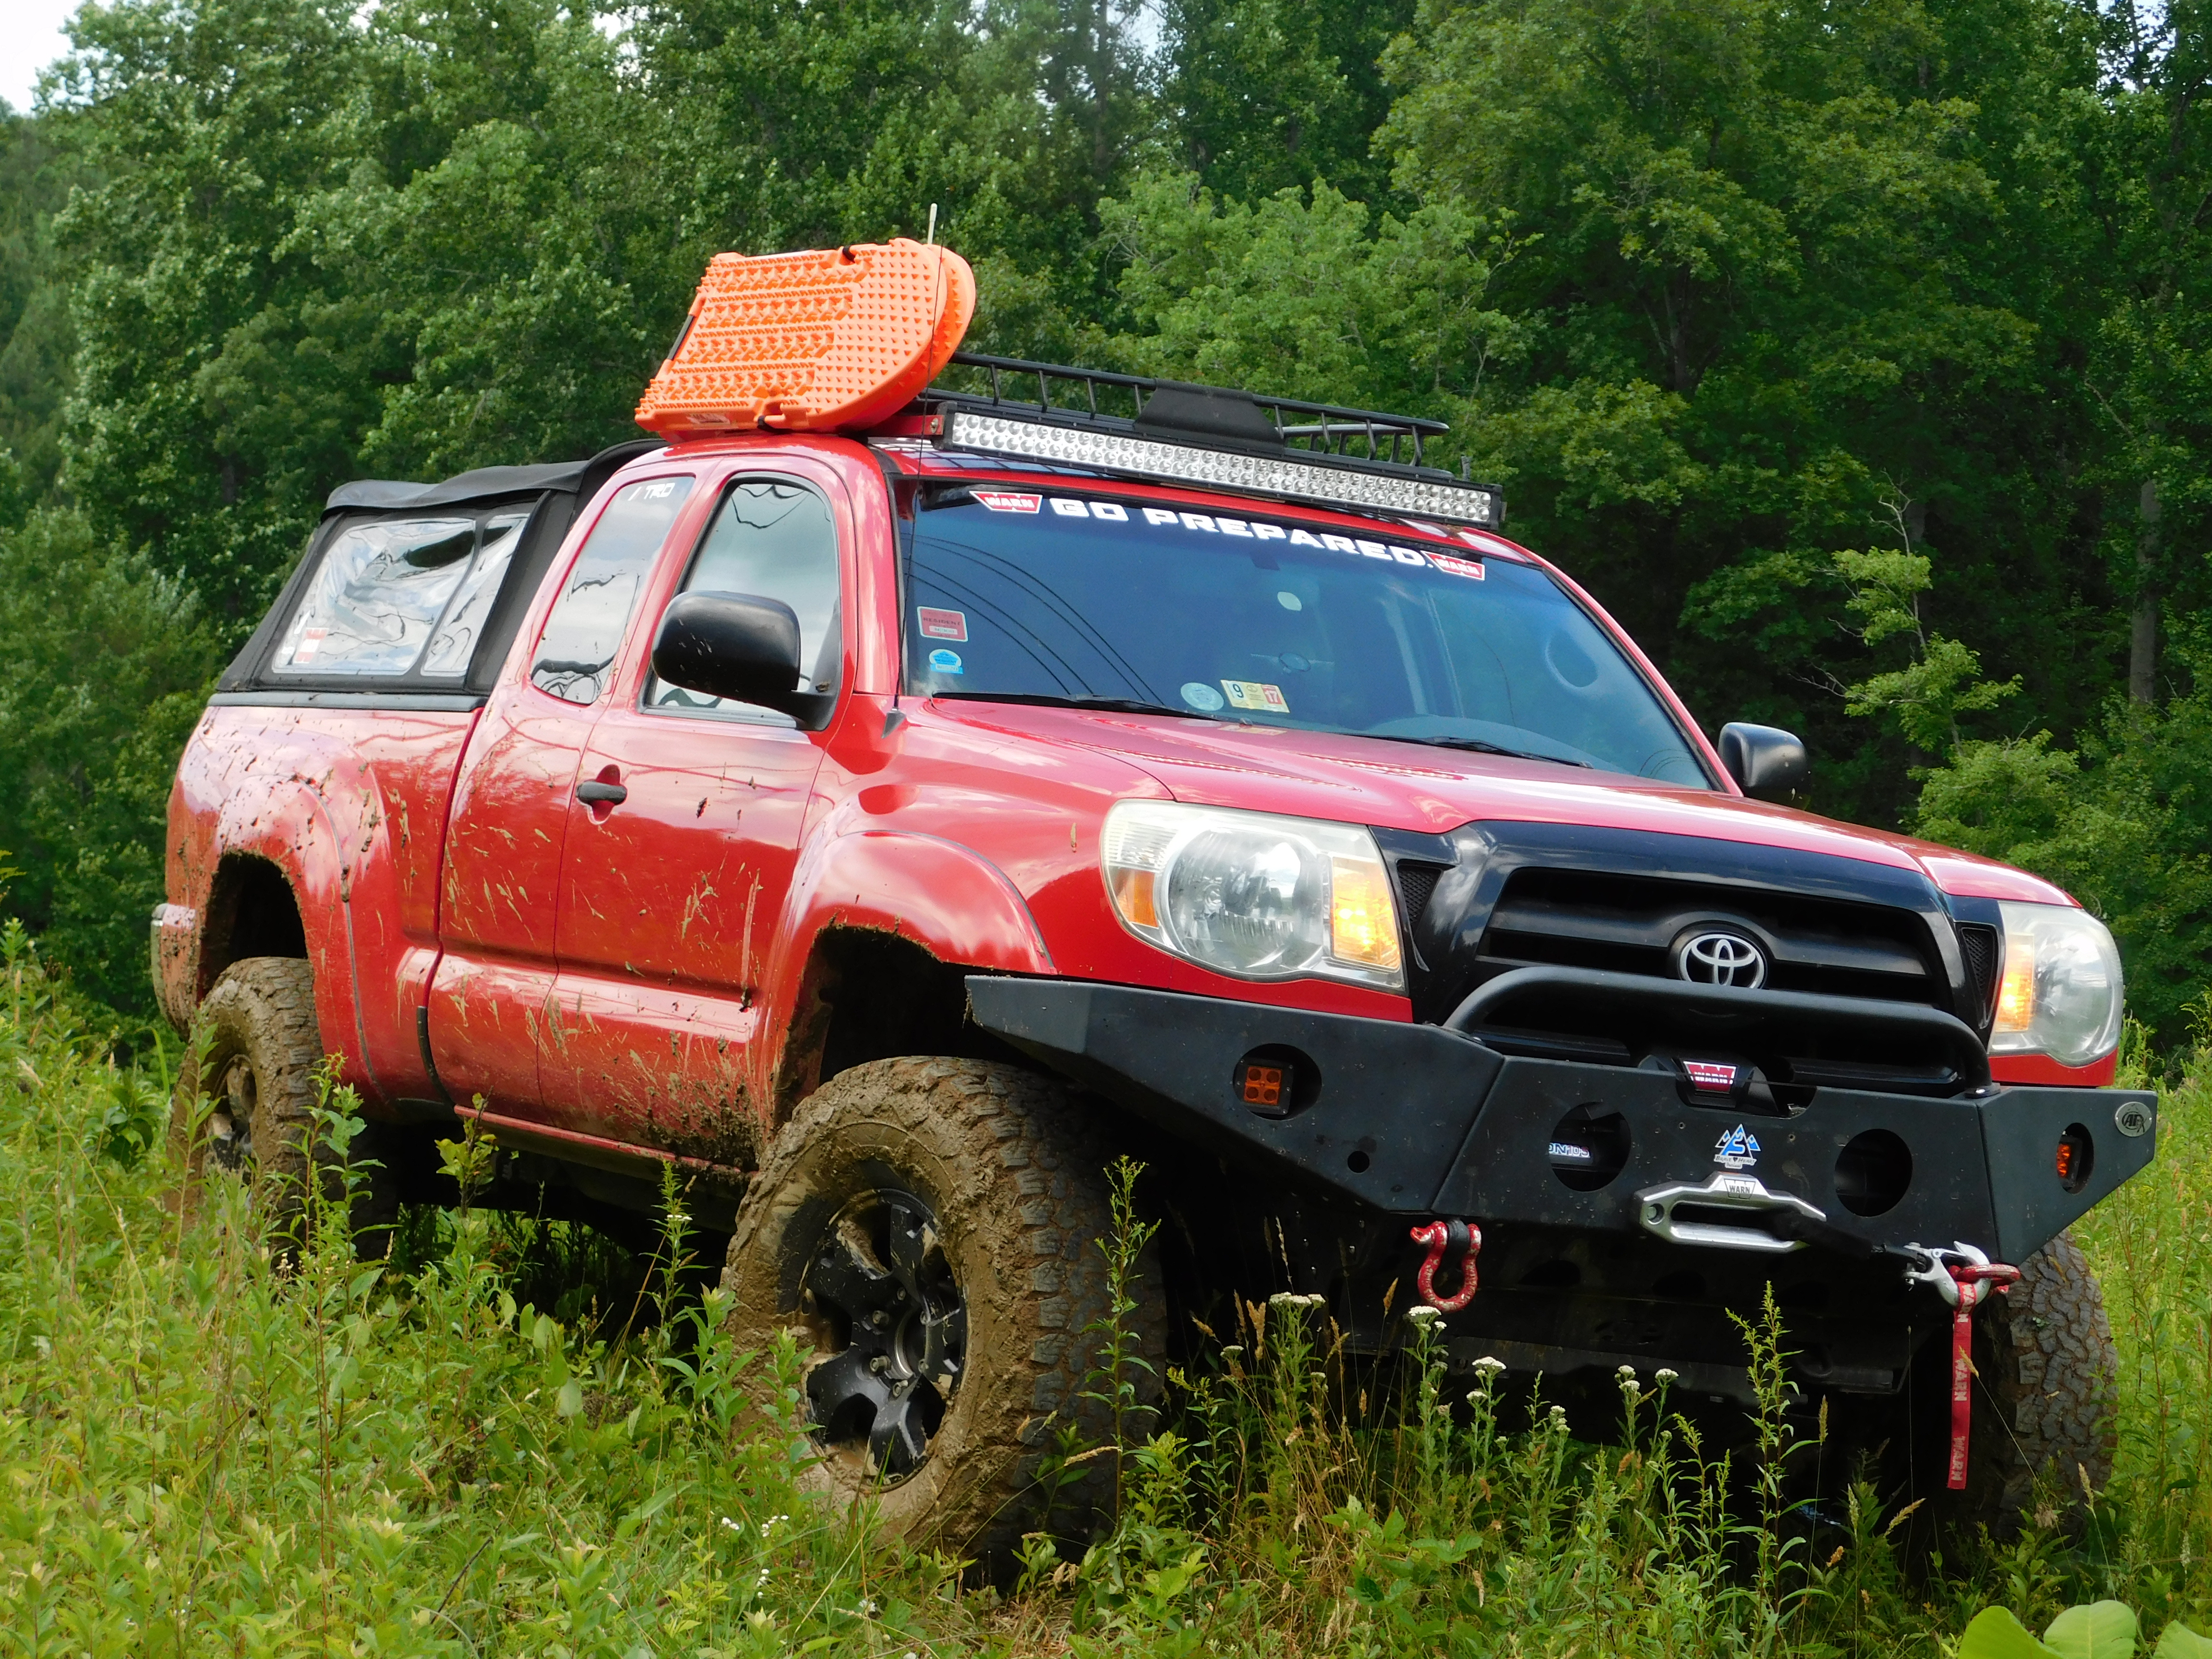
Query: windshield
x,y
1080,598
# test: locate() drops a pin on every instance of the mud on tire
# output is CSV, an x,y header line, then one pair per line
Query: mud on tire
x,y
2046,1401
257,1071
931,1229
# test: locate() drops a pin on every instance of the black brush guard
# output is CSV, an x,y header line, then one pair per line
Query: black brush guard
x,y
1412,1120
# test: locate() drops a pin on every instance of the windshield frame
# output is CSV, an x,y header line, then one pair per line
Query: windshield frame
x,y
1471,544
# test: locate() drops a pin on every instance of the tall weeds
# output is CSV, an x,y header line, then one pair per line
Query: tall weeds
x,y
203,1451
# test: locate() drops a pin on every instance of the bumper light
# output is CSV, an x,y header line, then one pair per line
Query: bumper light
x,y
1252,894
2060,992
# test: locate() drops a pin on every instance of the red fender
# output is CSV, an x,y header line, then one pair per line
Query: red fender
x,y
950,900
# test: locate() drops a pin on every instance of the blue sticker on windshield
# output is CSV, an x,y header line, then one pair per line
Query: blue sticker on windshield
x,y
946,662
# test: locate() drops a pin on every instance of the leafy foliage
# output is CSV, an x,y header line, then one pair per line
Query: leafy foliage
x,y
1720,290
473,1445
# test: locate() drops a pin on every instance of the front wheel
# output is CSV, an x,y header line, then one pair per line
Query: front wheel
x,y
2047,1394
2044,1396
931,1230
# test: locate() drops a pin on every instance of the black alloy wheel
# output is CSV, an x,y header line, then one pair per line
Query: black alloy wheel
x,y
896,1326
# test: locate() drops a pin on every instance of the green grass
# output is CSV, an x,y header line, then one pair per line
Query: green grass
x,y
200,1453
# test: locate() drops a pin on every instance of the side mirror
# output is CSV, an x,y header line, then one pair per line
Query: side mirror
x,y
737,645
1767,762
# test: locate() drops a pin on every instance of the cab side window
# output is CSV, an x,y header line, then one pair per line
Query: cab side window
x,y
380,589
771,539
576,653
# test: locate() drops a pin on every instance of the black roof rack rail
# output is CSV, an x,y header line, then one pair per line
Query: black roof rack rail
x,y
1140,426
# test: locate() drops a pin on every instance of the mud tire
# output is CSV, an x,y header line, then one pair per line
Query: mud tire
x,y
2048,1399
1015,1176
262,1047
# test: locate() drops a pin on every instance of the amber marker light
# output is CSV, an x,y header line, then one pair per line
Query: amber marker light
x,y
1132,896
2016,991
1363,918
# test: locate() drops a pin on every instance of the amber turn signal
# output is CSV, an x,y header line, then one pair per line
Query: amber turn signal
x,y
1267,1087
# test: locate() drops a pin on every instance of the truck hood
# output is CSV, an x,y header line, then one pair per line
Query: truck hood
x,y
1404,786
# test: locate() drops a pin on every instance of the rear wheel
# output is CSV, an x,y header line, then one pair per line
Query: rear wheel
x,y
258,1072
931,1230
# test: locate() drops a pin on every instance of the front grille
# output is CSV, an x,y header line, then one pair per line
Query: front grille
x,y
1633,925
1978,943
1417,884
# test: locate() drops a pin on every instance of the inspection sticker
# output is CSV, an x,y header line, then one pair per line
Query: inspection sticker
x,y
1251,693
942,624
310,642
1009,501
946,662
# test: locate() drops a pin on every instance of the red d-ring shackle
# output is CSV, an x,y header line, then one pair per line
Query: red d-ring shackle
x,y
1453,1237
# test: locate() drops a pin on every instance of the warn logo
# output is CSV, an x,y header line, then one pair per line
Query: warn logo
x,y
1007,501
1709,1077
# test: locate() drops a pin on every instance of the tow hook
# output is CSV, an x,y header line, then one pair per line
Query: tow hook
x,y
1961,1276
1460,1240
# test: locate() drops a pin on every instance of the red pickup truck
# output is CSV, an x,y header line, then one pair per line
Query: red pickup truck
x,y
884,828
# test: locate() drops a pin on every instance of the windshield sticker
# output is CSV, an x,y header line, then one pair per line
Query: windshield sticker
x,y
1201,696
945,662
309,643
1216,523
1008,501
942,624
1251,693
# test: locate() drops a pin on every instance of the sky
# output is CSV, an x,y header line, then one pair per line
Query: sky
x,y
30,38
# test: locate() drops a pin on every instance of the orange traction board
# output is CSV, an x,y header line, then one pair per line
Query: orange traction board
x,y
813,341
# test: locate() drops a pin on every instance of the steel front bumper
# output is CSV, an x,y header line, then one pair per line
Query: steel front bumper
x,y
1418,1120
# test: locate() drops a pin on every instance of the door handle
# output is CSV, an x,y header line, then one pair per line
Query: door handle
x,y
596,793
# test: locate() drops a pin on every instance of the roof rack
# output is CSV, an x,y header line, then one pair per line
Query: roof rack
x,y
1180,433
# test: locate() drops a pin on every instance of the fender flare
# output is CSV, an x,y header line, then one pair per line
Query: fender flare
x,y
942,895
292,828
946,897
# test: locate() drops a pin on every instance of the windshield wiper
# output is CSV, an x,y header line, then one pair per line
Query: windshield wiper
x,y
1480,747
1051,700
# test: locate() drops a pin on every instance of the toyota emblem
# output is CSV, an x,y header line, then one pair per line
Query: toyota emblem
x,y
1720,959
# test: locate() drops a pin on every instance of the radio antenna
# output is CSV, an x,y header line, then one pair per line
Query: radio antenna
x,y
931,240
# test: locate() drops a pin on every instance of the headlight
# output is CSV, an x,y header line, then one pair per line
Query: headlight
x,y
1253,895
2061,991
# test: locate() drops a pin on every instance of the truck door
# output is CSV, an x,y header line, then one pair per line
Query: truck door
x,y
674,875
489,998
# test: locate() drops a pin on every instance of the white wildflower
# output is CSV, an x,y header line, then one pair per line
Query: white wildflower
x,y
1663,1374
1424,1317
1489,1365
1625,1373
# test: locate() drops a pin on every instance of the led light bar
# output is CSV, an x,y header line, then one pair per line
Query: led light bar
x,y
1244,474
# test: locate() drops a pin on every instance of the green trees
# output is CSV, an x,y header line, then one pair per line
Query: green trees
x,y
1719,290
